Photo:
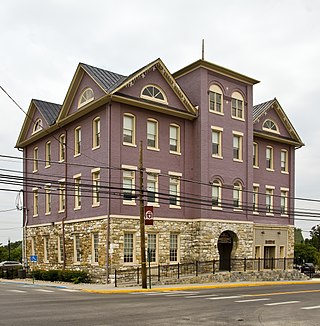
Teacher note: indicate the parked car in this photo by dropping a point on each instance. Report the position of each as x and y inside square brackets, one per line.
[308, 268]
[10, 263]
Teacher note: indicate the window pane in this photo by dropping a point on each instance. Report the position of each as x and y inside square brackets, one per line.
[128, 248]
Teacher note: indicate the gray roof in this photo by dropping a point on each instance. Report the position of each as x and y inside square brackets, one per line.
[50, 111]
[106, 79]
[260, 108]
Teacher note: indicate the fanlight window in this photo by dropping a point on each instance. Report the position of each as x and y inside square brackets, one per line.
[269, 125]
[86, 97]
[153, 93]
[37, 126]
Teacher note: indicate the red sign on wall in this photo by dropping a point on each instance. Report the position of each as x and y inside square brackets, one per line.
[148, 215]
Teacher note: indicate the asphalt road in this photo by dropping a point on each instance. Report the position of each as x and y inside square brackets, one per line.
[268, 305]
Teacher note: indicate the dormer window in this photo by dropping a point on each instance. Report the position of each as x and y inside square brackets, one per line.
[37, 126]
[269, 125]
[86, 97]
[153, 93]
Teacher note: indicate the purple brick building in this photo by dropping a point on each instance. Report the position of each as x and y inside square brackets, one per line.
[218, 171]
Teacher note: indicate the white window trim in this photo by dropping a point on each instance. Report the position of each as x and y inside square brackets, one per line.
[178, 151]
[38, 122]
[219, 207]
[75, 260]
[35, 190]
[80, 105]
[156, 148]
[131, 168]
[45, 249]
[134, 258]
[272, 158]
[157, 248]
[272, 188]
[48, 199]
[77, 176]
[94, 133]
[62, 146]
[150, 98]
[177, 175]
[95, 203]
[93, 255]
[256, 146]
[47, 153]
[35, 159]
[270, 130]
[240, 208]
[240, 135]
[133, 117]
[220, 131]
[287, 161]
[60, 246]
[77, 133]
[178, 248]
[237, 96]
[256, 185]
[216, 89]
[156, 173]
[284, 189]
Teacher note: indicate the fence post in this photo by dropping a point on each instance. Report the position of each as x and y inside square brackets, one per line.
[138, 275]
[115, 278]
[213, 266]
[259, 264]
[245, 264]
[178, 270]
[158, 273]
[284, 263]
[272, 262]
[196, 268]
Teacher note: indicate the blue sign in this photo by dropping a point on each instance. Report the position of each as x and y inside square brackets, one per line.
[34, 258]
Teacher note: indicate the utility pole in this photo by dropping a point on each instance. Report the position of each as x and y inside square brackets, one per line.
[142, 229]
[9, 249]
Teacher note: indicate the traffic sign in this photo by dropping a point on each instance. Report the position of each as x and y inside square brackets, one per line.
[34, 258]
[148, 215]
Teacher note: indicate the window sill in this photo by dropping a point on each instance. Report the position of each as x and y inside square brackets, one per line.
[61, 161]
[216, 112]
[153, 204]
[129, 203]
[175, 206]
[238, 210]
[284, 215]
[96, 205]
[284, 172]
[153, 149]
[48, 213]
[129, 144]
[37, 215]
[217, 208]
[77, 263]
[77, 208]
[61, 211]
[255, 213]
[256, 167]
[237, 118]
[34, 171]
[95, 147]
[47, 166]
[217, 156]
[76, 155]
[175, 153]
[94, 264]
[237, 160]
[270, 170]
[269, 214]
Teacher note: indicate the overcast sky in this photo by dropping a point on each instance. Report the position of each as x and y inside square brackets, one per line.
[274, 41]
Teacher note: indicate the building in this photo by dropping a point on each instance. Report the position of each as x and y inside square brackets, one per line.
[218, 171]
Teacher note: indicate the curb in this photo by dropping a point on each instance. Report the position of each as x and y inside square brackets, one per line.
[200, 287]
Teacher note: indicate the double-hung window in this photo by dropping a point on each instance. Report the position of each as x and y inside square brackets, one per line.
[255, 155]
[174, 139]
[77, 141]
[35, 159]
[237, 146]
[128, 248]
[174, 189]
[216, 139]
[35, 202]
[95, 247]
[46, 249]
[215, 99]
[95, 187]
[237, 106]
[62, 195]
[174, 247]
[77, 248]
[152, 134]
[128, 184]
[269, 199]
[269, 158]
[152, 186]
[77, 191]
[255, 199]
[284, 161]
[284, 201]
[237, 195]
[216, 194]
[48, 154]
[96, 133]
[62, 147]
[129, 129]
[152, 247]
[48, 199]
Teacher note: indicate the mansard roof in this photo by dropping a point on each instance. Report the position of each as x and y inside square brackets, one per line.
[49, 111]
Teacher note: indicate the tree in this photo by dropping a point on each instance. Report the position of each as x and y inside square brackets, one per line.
[305, 253]
[315, 236]
[298, 238]
[15, 251]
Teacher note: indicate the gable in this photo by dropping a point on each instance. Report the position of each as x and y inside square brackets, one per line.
[39, 111]
[282, 129]
[156, 74]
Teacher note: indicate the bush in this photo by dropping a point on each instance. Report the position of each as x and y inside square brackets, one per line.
[61, 275]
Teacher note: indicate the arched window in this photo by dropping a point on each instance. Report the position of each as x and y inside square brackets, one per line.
[216, 194]
[237, 106]
[237, 195]
[37, 126]
[215, 99]
[271, 126]
[153, 93]
[86, 97]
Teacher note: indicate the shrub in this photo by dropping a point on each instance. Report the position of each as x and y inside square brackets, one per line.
[62, 275]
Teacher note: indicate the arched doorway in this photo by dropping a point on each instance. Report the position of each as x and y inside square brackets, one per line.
[225, 246]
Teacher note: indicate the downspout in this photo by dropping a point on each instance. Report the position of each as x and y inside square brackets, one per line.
[65, 201]
[109, 195]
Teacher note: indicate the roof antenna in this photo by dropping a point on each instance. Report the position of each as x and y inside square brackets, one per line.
[202, 49]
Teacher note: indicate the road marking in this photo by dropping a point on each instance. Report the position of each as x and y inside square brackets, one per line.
[157, 293]
[43, 290]
[253, 300]
[280, 303]
[201, 296]
[222, 298]
[281, 293]
[69, 290]
[309, 308]
[17, 291]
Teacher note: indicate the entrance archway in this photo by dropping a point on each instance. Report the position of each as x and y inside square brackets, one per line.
[225, 245]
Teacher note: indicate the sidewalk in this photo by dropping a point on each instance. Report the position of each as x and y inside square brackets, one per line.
[110, 288]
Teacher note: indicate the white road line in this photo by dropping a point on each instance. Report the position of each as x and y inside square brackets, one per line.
[280, 303]
[222, 298]
[143, 293]
[17, 291]
[201, 296]
[43, 290]
[253, 300]
[69, 290]
[309, 308]
[157, 293]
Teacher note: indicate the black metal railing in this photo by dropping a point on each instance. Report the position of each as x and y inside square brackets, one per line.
[163, 272]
